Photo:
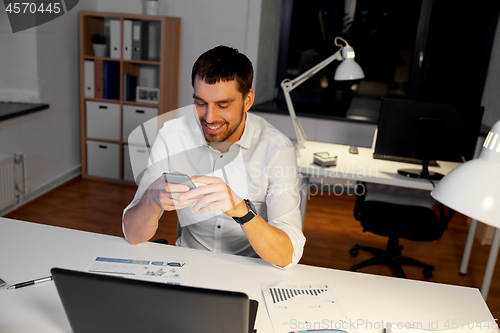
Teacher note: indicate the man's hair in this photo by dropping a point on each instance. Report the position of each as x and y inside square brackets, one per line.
[223, 63]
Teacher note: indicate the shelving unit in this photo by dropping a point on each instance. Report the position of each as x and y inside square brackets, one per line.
[104, 143]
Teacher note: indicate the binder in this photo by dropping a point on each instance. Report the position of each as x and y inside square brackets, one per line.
[88, 74]
[136, 40]
[154, 41]
[111, 80]
[140, 40]
[115, 40]
[127, 39]
[144, 40]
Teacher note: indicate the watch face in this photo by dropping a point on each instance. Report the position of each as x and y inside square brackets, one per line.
[250, 205]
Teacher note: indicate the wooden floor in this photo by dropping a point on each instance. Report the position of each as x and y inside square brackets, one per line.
[330, 229]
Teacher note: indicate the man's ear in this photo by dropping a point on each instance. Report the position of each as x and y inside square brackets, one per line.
[249, 99]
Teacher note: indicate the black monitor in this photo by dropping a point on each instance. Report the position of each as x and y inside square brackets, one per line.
[420, 132]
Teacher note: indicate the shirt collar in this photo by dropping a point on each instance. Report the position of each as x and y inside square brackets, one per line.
[251, 130]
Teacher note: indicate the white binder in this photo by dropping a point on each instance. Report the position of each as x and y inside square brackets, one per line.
[115, 42]
[127, 39]
[88, 78]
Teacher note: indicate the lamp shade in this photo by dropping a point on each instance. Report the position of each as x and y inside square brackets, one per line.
[348, 69]
[473, 188]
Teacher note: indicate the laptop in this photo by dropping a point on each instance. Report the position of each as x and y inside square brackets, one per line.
[101, 303]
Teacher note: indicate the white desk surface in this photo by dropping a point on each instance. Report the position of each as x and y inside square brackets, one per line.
[30, 250]
[362, 166]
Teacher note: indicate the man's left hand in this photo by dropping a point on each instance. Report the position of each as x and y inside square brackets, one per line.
[217, 195]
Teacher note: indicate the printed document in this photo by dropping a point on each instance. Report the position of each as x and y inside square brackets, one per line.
[167, 270]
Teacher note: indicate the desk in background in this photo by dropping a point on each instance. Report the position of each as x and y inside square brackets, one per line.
[30, 250]
[358, 167]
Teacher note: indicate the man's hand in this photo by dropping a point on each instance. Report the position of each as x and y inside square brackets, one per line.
[166, 195]
[215, 195]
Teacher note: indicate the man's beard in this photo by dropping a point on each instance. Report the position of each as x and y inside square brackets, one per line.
[222, 136]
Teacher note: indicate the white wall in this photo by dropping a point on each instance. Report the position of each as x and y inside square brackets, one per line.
[17, 51]
[50, 139]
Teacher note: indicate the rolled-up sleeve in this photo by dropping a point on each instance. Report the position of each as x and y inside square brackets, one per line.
[283, 200]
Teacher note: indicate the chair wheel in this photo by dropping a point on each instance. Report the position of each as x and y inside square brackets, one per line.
[427, 273]
[354, 252]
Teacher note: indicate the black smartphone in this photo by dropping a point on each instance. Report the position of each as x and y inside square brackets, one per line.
[176, 178]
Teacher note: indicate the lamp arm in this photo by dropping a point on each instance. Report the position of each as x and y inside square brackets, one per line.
[297, 127]
[292, 84]
[288, 85]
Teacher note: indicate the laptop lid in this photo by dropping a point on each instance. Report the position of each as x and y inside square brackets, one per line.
[100, 303]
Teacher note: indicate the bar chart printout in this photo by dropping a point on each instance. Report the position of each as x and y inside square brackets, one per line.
[304, 306]
[284, 294]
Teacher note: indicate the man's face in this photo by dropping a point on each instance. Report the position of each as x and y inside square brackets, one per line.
[221, 109]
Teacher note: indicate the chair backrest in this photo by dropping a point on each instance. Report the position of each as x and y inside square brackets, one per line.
[409, 217]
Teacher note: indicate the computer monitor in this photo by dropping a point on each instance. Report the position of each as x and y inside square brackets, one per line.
[420, 132]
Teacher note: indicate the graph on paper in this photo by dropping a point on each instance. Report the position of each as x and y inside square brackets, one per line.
[284, 294]
[302, 302]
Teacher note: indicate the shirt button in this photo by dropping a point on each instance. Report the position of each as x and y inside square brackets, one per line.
[220, 156]
[218, 227]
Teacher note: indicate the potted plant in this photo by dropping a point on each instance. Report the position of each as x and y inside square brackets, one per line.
[99, 44]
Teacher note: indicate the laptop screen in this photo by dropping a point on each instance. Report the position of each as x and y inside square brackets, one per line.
[101, 303]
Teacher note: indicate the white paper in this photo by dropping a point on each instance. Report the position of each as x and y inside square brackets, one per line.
[166, 270]
[296, 306]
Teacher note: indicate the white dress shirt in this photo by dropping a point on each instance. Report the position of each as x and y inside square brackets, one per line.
[261, 167]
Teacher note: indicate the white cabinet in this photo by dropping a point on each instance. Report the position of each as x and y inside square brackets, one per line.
[135, 116]
[103, 159]
[103, 120]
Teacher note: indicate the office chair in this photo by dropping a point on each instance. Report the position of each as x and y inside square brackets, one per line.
[396, 216]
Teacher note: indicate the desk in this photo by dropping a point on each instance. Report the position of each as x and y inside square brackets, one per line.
[359, 167]
[30, 250]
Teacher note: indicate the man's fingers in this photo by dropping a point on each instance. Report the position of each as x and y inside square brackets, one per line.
[171, 187]
[169, 204]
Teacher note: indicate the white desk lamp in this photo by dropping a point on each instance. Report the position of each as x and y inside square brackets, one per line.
[473, 189]
[347, 70]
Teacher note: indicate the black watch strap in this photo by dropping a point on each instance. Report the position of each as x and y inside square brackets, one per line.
[250, 215]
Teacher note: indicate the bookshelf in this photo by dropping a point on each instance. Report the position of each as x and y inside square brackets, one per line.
[142, 51]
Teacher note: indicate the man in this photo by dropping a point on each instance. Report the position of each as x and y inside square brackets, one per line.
[232, 156]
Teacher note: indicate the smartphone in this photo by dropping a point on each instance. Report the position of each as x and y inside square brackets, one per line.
[176, 178]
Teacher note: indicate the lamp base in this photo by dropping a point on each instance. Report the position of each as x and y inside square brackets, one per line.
[417, 173]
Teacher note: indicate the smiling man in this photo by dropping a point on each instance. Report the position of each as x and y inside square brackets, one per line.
[247, 199]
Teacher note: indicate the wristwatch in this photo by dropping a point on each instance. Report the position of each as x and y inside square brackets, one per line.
[252, 212]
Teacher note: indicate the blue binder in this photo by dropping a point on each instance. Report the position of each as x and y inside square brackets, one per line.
[111, 80]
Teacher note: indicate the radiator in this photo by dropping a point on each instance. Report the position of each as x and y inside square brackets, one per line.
[7, 181]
